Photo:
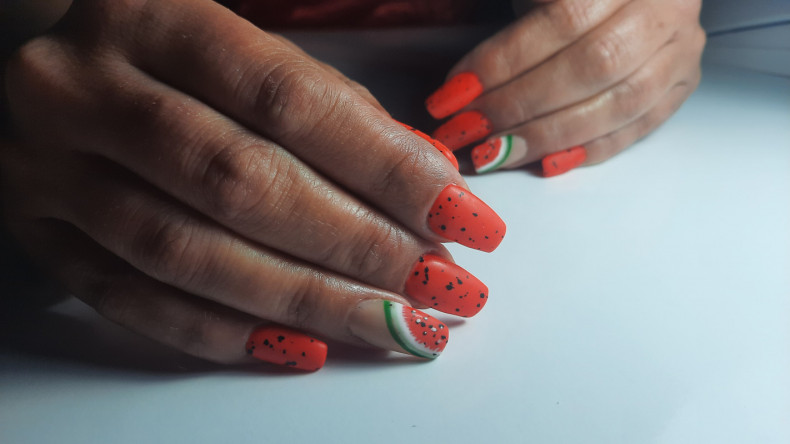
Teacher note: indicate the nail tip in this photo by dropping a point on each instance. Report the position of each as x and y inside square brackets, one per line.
[454, 94]
[474, 224]
[272, 344]
[446, 287]
[463, 129]
[561, 162]
[393, 326]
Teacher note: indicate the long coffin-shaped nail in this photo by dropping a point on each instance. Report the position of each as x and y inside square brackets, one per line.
[563, 161]
[459, 216]
[436, 144]
[394, 326]
[287, 347]
[455, 94]
[499, 152]
[463, 129]
[446, 287]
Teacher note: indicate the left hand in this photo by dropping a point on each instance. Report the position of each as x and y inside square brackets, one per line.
[596, 75]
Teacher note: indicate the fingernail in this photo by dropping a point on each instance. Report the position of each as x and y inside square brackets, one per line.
[499, 152]
[459, 216]
[446, 287]
[436, 144]
[396, 327]
[563, 161]
[287, 347]
[455, 94]
[463, 129]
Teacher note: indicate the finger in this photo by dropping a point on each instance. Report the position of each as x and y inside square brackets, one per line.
[518, 48]
[436, 144]
[359, 89]
[597, 61]
[195, 326]
[676, 62]
[604, 147]
[252, 78]
[200, 258]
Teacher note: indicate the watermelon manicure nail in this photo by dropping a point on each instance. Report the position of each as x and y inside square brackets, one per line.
[436, 144]
[394, 326]
[499, 152]
[563, 161]
[287, 347]
[455, 94]
[459, 216]
[463, 129]
[446, 287]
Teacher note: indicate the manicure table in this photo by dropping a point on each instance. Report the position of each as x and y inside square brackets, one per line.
[646, 299]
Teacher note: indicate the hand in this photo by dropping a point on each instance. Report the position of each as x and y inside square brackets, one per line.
[210, 186]
[595, 75]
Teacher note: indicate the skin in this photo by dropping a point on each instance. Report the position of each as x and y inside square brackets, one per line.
[191, 176]
[597, 73]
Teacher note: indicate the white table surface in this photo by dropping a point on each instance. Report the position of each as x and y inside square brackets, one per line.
[643, 300]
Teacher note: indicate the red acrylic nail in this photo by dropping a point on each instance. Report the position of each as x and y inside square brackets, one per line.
[463, 129]
[459, 216]
[446, 287]
[455, 94]
[436, 144]
[563, 161]
[288, 347]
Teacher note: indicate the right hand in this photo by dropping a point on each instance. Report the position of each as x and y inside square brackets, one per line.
[196, 179]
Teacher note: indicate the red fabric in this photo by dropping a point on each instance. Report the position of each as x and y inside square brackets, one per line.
[352, 13]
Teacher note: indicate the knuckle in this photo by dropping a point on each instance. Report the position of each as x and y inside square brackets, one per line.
[229, 181]
[399, 173]
[33, 68]
[368, 253]
[633, 94]
[493, 60]
[303, 303]
[607, 56]
[372, 257]
[164, 245]
[519, 109]
[700, 40]
[546, 135]
[108, 295]
[570, 18]
[196, 337]
[289, 94]
[153, 111]
[688, 8]
[649, 121]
